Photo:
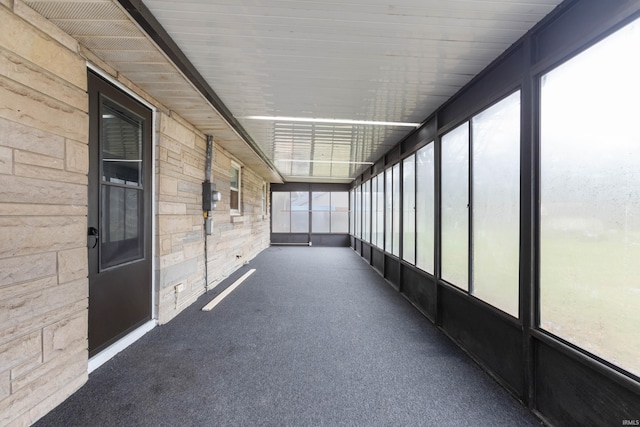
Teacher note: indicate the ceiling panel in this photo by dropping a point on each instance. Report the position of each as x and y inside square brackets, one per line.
[316, 59]
[104, 28]
[356, 60]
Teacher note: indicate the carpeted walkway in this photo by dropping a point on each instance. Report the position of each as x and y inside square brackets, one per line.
[314, 337]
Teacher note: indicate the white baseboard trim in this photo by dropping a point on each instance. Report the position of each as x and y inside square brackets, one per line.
[105, 355]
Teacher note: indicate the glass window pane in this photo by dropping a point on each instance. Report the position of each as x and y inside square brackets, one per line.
[233, 199]
[374, 207]
[590, 199]
[280, 212]
[496, 204]
[235, 178]
[358, 213]
[366, 209]
[395, 250]
[409, 209]
[339, 212]
[122, 215]
[455, 211]
[380, 212]
[121, 146]
[388, 205]
[425, 208]
[299, 211]
[351, 203]
[321, 212]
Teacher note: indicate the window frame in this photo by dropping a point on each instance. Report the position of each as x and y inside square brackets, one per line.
[238, 167]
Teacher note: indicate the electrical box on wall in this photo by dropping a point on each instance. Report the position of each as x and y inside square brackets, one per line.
[209, 196]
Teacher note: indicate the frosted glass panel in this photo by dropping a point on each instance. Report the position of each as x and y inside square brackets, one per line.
[352, 202]
[299, 211]
[590, 199]
[366, 209]
[388, 206]
[280, 212]
[339, 212]
[496, 203]
[321, 212]
[380, 211]
[425, 208]
[409, 209]
[374, 213]
[358, 211]
[455, 211]
[395, 249]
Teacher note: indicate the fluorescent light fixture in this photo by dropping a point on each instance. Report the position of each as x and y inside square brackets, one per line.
[325, 161]
[312, 177]
[334, 121]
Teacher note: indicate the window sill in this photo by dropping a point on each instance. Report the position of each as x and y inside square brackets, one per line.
[237, 218]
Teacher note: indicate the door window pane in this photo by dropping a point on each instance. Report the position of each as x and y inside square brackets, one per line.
[280, 212]
[321, 212]
[425, 208]
[122, 214]
[121, 146]
[409, 209]
[339, 212]
[299, 211]
[590, 199]
[455, 209]
[121, 238]
[496, 204]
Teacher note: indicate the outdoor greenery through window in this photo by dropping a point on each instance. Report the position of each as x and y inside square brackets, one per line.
[590, 199]
[329, 212]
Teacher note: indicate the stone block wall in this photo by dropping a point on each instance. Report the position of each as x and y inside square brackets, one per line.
[43, 214]
[43, 210]
[180, 231]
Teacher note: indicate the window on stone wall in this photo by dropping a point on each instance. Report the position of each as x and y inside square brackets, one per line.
[235, 185]
[264, 198]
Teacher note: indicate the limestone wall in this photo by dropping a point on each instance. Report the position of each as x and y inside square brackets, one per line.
[180, 231]
[43, 214]
[43, 210]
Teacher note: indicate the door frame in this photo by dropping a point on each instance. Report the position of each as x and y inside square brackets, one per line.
[106, 354]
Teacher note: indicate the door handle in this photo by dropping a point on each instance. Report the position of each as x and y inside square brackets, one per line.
[93, 232]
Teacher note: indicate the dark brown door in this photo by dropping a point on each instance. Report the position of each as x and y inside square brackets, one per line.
[119, 218]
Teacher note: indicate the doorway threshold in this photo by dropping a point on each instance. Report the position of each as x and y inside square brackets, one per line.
[105, 355]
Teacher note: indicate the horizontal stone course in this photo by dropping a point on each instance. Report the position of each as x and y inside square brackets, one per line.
[17, 351]
[26, 235]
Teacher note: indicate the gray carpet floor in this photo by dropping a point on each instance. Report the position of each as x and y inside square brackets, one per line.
[314, 337]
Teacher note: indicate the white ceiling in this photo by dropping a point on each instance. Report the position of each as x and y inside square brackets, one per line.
[369, 60]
